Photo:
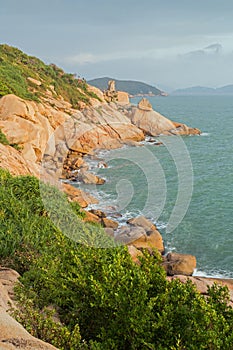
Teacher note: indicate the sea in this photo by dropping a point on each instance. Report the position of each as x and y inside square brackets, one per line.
[184, 185]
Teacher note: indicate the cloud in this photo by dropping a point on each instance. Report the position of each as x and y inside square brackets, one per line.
[213, 49]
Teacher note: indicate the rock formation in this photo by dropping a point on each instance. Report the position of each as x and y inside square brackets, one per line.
[155, 124]
[179, 264]
[141, 233]
[112, 95]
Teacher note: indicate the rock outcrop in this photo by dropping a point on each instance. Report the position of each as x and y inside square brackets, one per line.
[141, 233]
[13, 161]
[89, 178]
[179, 264]
[144, 105]
[112, 95]
[122, 98]
[52, 128]
[154, 123]
[76, 195]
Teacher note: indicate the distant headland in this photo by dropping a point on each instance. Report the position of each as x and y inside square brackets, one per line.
[134, 88]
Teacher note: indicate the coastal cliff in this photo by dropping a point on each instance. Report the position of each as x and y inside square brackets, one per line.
[47, 129]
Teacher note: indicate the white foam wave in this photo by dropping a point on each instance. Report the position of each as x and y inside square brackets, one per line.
[205, 134]
[214, 274]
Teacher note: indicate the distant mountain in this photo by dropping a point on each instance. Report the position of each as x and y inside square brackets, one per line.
[130, 86]
[202, 90]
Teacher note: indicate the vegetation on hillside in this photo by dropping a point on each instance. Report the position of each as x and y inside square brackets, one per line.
[16, 67]
[79, 297]
[130, 86]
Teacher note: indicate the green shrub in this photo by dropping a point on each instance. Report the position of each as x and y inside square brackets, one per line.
[99, 298]
[16, 67]
[45, 325]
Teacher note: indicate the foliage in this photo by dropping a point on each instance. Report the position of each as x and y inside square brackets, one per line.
[16, 67]
[45, 325]
[77, 296]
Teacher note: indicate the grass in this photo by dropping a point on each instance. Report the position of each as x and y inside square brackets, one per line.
[16, 67]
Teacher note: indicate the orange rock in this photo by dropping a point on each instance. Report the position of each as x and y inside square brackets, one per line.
[154, 123]
[154, 240]
[122, 98]
[142, 222]
[34, 81]
[145, 105]
[135, 253]
[89, 217]
[180, 264]
[109, 223]
[89, 178]
[15, 163]
[77, 195]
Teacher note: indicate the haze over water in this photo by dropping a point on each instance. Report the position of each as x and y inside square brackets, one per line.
[207, 229]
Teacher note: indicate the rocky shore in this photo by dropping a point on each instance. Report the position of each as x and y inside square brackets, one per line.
[52, 140]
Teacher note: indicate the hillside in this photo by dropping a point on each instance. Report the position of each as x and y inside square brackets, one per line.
[72, 295]
[202, 90]
[29, 78]
[130, 86]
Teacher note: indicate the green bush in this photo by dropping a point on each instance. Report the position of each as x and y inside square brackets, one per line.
[16, 67]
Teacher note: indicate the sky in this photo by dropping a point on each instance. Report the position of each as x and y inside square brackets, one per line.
[170, 44]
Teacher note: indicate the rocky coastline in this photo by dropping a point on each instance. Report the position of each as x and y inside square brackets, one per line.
[53, 139]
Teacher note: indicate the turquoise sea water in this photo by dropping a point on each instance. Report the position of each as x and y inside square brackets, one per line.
[207, 228]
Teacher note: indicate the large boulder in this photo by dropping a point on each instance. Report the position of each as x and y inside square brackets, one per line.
[122, 98]
[151, 122]
[23, 124]
[128, 235]
[154, 123]
[142, 221]
[137, 236]
[154, 240]
[180, 264]
[96, 91]
[110, 223]
[145, 105]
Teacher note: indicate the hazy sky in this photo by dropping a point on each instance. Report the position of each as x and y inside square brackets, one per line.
[174, 43]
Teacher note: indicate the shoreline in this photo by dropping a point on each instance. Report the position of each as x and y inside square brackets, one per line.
[99, 156]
